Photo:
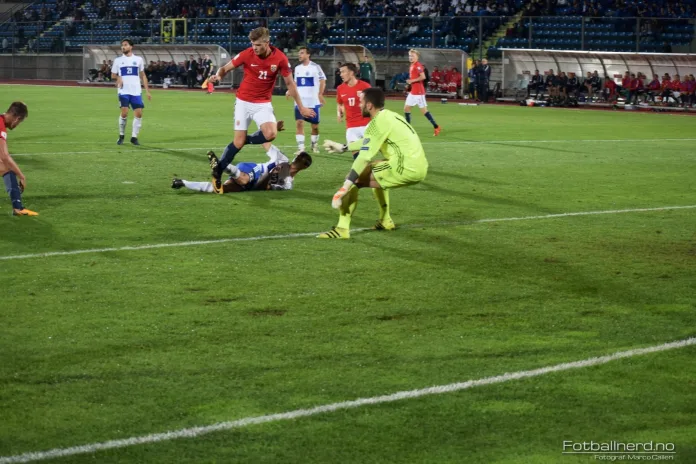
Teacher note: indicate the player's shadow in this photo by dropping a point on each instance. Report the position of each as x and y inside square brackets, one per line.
[478, 198]
[511, 263]
[57, 199]
[35, 162]
[194, 154]
[287, 201]
[470, 179]
[28, 230]
[525, 146]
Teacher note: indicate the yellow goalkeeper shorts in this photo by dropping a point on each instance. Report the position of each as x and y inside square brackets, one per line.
[389, 177]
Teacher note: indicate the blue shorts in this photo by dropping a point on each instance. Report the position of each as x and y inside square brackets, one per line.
[314, 120]
[135, 101]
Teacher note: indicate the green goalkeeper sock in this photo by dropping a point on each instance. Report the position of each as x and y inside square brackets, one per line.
[382, 197]
[350, 202]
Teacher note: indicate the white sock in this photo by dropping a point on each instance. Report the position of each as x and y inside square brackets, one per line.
[315, 139]
[232, 169]
[199, 186]
[122, 125]
[300, 141]
[276, 156]
[137, 122]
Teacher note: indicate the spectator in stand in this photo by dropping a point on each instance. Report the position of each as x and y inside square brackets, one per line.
[536, 83]
[435, 79]
[653, 88]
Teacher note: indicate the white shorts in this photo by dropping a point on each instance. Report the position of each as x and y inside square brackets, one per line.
[355, 133]
[245, 112]
[416, 100]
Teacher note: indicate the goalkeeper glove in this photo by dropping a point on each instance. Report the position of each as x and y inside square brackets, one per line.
[334, 147]
[338, 196]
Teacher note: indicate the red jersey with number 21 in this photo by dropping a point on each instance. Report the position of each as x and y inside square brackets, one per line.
[349, 97]
[417, 88]
[260, 74]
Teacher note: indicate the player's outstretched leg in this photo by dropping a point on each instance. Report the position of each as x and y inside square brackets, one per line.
[342, 229]
[15, 192]
[206, 187]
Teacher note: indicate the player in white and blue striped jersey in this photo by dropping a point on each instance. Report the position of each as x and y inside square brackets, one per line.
[311, 83]
[127, 70]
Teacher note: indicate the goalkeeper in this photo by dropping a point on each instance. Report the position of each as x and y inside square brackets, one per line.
[404, 163]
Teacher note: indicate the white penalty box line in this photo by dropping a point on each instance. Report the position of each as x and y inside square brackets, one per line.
[344, 405]
[310, 234]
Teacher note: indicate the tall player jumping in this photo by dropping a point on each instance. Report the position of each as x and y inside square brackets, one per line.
[311, 83]
[127, 71]
[348, 104]
[262, 62]
[416, 96]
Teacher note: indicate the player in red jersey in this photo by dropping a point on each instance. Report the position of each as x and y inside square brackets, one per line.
[435, 80]
[416, 96]
[348, 105]
[12, 176]
[262, 64]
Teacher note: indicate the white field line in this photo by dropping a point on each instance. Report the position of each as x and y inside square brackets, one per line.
[444, 142]
[299, 413]
[310, 234]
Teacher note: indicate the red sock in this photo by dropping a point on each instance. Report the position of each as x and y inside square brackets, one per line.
[210, 87]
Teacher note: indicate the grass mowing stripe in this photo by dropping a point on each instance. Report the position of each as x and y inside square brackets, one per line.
[309, 234]
[298, 413]
[444, 142]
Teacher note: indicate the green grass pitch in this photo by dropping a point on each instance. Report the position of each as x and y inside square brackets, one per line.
[123, 343]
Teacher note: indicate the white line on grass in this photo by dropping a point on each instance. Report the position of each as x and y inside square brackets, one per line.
[444, 142]
[310, 234]
[299, 413]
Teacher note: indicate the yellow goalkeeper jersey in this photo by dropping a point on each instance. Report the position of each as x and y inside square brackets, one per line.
[389, 134]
